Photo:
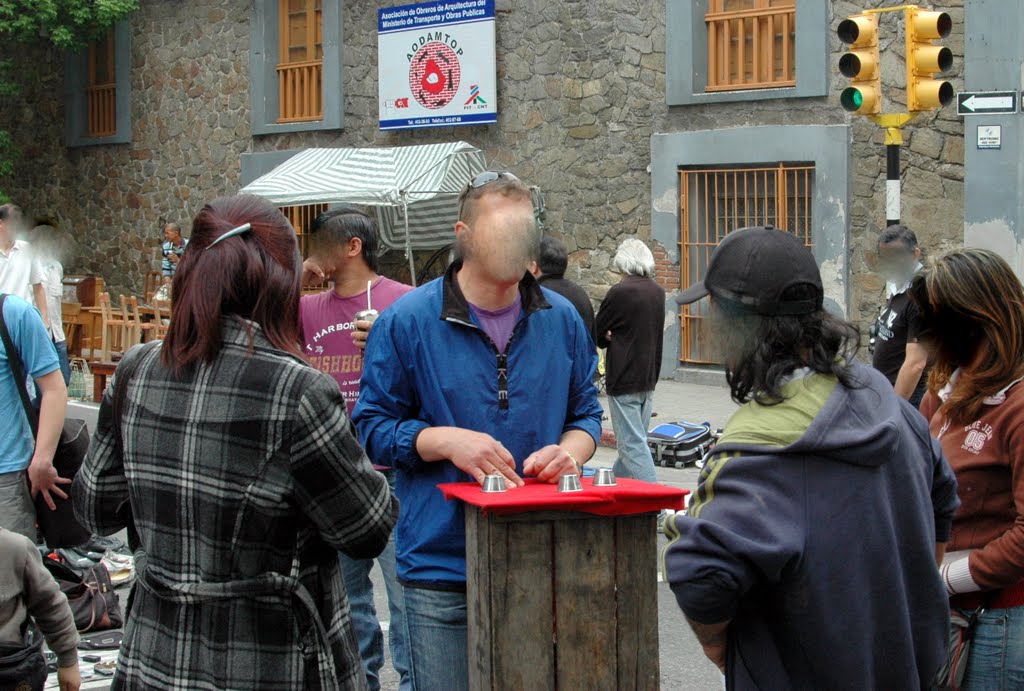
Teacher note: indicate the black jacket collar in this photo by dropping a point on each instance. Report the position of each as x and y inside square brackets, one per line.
[454, 305]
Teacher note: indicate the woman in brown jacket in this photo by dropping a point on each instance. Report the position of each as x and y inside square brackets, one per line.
[972, 306]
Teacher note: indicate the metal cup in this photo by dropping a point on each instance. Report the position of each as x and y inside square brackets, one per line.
[367, 316]
[605, 478]
[495, 483]
[569, 483]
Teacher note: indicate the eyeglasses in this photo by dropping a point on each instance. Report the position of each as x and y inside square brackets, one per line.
[489, 176]
[482, 180]
[244, 228]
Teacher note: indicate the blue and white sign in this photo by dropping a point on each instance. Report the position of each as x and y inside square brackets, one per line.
[437, 64]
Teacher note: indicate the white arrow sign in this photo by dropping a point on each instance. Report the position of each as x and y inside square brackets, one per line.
[973, 103]
[976, 103]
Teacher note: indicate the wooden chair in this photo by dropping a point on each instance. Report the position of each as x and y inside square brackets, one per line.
[144, 329]
[161, 317]
[152, 283]
[132, 334]
[113, 330]
[69, 315]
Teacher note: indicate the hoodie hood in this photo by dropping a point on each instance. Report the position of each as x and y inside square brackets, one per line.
[820, 417]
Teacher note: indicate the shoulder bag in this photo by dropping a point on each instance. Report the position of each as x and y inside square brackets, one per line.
[59, 527]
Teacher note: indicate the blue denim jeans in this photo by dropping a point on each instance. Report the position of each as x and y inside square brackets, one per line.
[356, 574]
[997, 652]
[365, 624]
[631, 416]
[435, 624]
[62, 358]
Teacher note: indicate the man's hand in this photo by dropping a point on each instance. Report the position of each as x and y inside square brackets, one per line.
[361, 333]
[607, 335]
[42, 477]
[550, 463]
[475, 453]
[69, 678]
[713, 639]
[173, 257]
[312, 273]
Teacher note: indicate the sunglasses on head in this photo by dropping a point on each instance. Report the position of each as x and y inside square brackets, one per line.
[482, 180]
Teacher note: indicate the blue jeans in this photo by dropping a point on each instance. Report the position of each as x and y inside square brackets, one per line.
[62, 358]
[631, 416]
[997, 652]
[356, 574]
[435, 625]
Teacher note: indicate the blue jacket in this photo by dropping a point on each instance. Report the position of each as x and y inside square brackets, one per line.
[428, 364]
[813, 530]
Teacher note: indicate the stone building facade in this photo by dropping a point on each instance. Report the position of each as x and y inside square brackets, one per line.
[583, 98]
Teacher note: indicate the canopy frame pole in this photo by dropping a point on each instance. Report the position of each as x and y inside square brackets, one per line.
[408, 238]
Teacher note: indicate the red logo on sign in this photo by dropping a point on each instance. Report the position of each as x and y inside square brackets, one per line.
[434, 75]
[401, 103]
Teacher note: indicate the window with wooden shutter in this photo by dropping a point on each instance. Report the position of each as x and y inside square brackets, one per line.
[300, 71]
[751, 44]
[101, 91]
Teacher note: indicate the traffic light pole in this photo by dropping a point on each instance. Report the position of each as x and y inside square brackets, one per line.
[893, 141]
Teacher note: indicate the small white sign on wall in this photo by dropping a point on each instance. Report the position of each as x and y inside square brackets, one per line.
[990, 136]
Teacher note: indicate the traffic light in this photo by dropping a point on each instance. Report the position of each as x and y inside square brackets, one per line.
[860, 64]
[926, 60]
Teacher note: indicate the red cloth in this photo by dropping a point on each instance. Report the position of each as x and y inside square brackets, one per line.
[628, 497]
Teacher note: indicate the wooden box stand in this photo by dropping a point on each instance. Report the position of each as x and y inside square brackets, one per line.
[562, 600]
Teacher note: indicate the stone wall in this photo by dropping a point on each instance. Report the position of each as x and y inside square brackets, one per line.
[582, 89]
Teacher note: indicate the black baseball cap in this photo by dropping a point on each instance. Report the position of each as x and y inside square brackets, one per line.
[753, 268]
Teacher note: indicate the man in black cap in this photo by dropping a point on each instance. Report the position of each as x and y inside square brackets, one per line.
[807, 558]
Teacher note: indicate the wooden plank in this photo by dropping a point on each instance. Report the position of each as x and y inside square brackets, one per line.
[636, 574]
[478, 600]
[521, 595]
[585, 604]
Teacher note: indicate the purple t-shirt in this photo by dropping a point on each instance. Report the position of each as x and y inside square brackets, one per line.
[499, 324]
[327, 324]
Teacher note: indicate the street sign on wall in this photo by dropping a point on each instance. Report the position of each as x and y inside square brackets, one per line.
[986, 102]
[437, 64]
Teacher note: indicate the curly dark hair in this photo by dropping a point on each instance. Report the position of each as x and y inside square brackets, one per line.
[761, 351]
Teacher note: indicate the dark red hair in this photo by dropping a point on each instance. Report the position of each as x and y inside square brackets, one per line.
[254, 276]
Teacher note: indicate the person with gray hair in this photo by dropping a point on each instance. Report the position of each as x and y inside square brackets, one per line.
[630, 325]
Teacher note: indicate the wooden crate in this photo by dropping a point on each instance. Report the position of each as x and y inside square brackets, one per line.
[562, 600]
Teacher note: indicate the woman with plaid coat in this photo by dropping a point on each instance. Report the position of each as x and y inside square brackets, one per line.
[235, 469]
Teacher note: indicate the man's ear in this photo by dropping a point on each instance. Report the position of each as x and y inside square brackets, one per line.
[354, 248]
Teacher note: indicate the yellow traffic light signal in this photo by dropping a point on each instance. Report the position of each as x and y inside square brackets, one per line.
[860, 63]
[925, 60]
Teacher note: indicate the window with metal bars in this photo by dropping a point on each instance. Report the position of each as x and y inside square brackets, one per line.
[300, 70]
[716, 201]
[301, 218]
[101, 89]
[751, 44]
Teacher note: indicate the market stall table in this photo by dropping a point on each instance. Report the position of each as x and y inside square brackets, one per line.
[562, 587]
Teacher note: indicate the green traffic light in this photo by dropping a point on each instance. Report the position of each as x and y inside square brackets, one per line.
[851, 99]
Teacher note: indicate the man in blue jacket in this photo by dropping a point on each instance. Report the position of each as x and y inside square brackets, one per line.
[808, 558]
[478, 372]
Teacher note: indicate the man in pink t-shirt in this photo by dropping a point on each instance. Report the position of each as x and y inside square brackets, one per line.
[344, 250]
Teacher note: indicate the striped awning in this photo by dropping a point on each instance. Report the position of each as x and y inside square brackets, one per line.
[426, 179]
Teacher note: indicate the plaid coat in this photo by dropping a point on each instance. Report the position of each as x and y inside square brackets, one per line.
[242, 480]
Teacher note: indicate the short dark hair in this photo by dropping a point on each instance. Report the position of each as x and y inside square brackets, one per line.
[761, 351]
[553, 258]
[9, 212]
[337, 226]
[255, 276]
[899, 233]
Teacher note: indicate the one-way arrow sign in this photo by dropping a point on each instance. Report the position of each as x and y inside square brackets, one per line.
[986, 102]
